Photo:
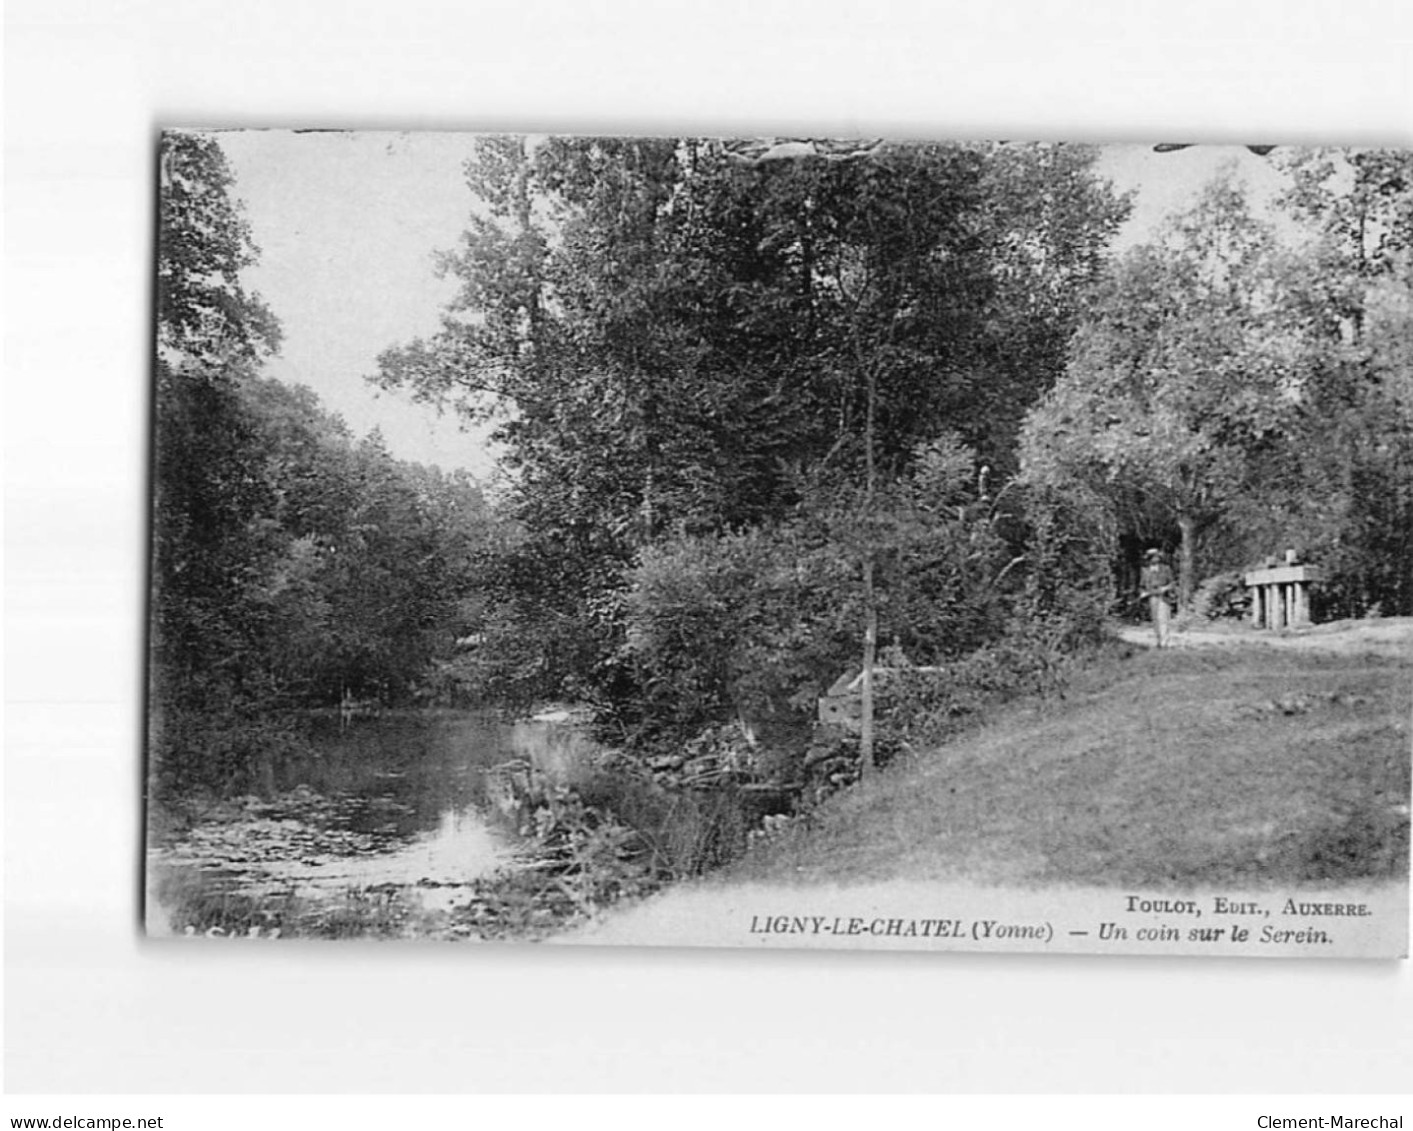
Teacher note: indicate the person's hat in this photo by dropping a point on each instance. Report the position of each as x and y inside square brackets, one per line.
[1154, 552]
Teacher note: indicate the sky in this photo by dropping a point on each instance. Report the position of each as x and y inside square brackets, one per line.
[349, 223]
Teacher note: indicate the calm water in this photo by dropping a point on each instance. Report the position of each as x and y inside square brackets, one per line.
[400, 799]
[430, 763]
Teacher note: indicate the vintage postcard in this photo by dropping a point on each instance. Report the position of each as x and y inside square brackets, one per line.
[782, 542]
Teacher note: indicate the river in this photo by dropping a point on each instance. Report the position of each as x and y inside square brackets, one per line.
[383, 822]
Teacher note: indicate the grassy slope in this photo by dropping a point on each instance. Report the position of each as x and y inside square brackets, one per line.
[1176, 768]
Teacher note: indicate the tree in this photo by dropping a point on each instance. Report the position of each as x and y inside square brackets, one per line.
[1352, 287]
[291, 563]
[1184, 370]
[929, 267]
[743, 624]
[210, 333]
[683, 339]
[1049, 223]
[206, 319]
[375, 557]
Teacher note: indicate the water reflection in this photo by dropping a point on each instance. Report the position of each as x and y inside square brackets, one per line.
[398, 800]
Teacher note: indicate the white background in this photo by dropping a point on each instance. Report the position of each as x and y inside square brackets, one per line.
[91, 1008]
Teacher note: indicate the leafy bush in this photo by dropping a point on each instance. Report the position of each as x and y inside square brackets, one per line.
[1036, 655]
[759, 624]
[1220, 597]
[688, 615]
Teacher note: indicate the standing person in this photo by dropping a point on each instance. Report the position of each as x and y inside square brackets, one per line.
[1157, 585]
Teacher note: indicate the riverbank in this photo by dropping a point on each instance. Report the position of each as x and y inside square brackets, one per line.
[1235, 759]
[305, 864]
[1254, 767]
[404, 825]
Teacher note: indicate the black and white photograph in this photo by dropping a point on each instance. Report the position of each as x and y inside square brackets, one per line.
[781, 542]
[716, 565]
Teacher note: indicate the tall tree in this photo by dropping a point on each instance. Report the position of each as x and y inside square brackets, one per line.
[210, 334]
[1049, 224]
[289, 562]
[683, 337]
[1183, 370]
[207, 321]
[1352, 287]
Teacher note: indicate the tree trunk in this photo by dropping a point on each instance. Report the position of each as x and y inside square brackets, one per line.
[870, 648]
[866, 764]
[1186, 561]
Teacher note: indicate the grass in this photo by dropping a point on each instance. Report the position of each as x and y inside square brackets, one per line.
[1246, 767]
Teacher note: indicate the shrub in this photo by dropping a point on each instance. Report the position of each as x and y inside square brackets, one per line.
[1037, 655]
[687, 615]
[759, 624]
[1221, 597]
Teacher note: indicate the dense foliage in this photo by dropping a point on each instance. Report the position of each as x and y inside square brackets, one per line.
[880, 424]
[293, 566]
[722, 373]
[761, 403]
[1233, 395]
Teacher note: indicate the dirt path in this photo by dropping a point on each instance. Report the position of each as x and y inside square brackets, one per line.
[1392, 636]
